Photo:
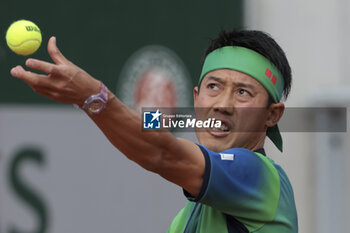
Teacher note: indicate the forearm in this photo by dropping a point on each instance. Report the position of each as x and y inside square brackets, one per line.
[123, 128]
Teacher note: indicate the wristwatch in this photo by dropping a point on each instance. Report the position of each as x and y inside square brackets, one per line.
[96, 103]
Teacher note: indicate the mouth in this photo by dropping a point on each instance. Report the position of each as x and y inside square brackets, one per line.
[221, 131]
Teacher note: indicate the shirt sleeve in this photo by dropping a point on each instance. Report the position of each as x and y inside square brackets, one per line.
[240, 183]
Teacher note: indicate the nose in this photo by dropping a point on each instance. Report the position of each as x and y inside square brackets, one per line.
[224, 104]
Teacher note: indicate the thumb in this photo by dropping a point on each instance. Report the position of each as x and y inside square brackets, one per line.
[55, 53]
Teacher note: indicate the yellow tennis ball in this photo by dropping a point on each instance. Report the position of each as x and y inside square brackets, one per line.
[23, 37]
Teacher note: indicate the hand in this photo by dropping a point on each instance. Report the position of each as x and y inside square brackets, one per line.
[63, 81]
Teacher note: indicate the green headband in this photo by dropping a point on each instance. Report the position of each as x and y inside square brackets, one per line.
[253, 64]
[249, 62]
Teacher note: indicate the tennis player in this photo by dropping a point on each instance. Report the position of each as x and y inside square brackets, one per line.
[230, 183]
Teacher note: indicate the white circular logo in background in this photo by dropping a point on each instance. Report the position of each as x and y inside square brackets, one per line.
[154, 76]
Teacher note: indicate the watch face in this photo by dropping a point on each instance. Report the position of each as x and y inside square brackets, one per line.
[96, 103]
[96, 106]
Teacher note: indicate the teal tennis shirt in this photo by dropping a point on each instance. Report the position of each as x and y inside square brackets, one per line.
[242, 191]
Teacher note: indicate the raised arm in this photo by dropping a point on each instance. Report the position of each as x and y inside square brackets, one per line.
[177, 160]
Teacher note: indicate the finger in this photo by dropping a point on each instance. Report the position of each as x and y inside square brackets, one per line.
[54, 95]
[55, 53]
[30, 78]
[17, 72]
[47, 93]
[43, 66]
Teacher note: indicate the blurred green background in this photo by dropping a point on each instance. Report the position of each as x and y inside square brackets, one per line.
[99, 36]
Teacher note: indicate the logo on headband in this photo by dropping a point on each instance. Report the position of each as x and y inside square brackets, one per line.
[268, 74]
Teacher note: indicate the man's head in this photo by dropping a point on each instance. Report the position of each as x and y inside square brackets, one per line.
[244, 101]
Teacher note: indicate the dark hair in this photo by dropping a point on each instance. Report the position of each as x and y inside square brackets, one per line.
[259, 42]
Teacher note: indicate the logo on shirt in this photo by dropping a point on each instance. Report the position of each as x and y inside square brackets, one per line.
[227, 156]
[151, 119]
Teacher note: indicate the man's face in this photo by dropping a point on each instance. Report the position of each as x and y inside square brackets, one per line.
[240, 102]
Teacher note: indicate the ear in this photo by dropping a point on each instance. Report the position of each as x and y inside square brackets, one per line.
[275, 113]
[195, 95]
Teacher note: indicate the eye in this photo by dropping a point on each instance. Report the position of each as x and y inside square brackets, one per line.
[243, 92]
[213, 86]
